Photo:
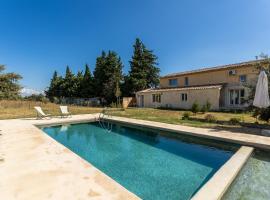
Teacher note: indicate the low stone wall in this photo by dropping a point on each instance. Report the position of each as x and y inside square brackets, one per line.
[129, 102]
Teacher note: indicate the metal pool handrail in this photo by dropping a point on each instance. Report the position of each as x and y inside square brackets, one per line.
[102, 122]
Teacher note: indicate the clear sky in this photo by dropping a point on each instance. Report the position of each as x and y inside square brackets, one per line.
[40, 36]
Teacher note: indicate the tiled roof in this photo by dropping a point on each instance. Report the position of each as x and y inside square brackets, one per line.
[202, 87]
[252, 62]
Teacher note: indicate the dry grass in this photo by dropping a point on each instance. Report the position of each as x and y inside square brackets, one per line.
[23, 109]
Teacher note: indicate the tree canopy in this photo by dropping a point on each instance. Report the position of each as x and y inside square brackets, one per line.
[144, 72]
[108, 81]
[9, 86]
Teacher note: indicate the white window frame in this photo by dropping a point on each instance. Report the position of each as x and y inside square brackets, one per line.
[156, 98]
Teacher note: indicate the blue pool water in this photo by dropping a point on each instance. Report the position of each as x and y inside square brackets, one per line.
[146, 162]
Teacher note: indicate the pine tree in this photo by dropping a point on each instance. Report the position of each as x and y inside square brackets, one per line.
[100, 74]
[87, 88]
[108, 73]
[78, 84]
[69, 87]
[54, 89]
[143, 70]
[9, 86]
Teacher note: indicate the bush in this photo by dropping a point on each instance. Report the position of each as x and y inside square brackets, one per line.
[208, 106]
[195, 107]
[186, 116]
[203, 109]
[235, 120]
[264, 114]
[210, 118]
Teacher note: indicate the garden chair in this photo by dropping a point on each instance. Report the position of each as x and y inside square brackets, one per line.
[41, 114]
[64, 111]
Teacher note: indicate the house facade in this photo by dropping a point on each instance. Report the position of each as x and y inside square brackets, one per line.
[225, 87]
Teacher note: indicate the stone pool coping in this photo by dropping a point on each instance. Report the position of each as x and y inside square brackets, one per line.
[35, 166]
[261, 142]
[216, 186]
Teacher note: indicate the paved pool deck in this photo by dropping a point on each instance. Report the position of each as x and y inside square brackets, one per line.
[35, 166]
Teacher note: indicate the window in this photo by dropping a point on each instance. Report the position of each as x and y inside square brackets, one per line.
[173, 82]
[184, 96]
[156, 98]
[186, 81]
[243, 78]
[232, 72]
[237, 97]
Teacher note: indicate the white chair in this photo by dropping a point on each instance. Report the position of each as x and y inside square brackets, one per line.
[41, 114]
[64, 111]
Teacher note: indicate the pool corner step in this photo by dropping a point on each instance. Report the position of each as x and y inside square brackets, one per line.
[216, 187]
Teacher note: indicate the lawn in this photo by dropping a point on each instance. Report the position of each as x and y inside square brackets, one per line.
[23, 109]
[175, 117]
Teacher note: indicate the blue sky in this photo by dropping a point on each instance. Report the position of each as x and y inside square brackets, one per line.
[40, 36]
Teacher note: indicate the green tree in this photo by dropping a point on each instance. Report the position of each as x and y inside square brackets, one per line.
[144, 72]
[100, 74]
[54, 89]
[68, 86]
[107, 75]
[111, 90]
[87, 87]
[9, 86]
[78, 84]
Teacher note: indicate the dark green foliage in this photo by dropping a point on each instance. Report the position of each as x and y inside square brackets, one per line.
[9, 86]
[54, 89]
[203, 109]
[210, 118]
[86, 87]
[143, 70]
[110, 89]
[37, 97]
[186, 116]
[235, 120]
[195, 107]
[108, 82]
[208, 106]
[69, 86]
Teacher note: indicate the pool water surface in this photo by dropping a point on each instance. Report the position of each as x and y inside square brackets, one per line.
[146, 162]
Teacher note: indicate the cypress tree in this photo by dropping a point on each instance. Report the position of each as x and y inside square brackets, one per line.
[143, 72]
[68, 87]
[54, 88]
[87, 89]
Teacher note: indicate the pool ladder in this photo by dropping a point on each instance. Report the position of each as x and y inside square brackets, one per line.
[105, 124]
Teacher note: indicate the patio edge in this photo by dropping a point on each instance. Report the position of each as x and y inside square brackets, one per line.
[216, 187]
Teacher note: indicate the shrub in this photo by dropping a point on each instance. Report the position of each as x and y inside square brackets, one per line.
[264, 114]
[208, 106]
[195, 107]
[203, 109]
[210, 118]
[186, 116]
[235, 120]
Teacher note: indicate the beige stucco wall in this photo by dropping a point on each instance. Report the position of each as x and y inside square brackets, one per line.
[214, 77]
[173, 98]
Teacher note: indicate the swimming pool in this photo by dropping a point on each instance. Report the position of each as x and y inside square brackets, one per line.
[150, 163]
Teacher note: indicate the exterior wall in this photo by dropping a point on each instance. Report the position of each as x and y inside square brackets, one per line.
[172, 99]
[214, 77]
[128, 101]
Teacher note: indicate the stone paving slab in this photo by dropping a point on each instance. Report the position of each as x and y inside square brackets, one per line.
[35, 166]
